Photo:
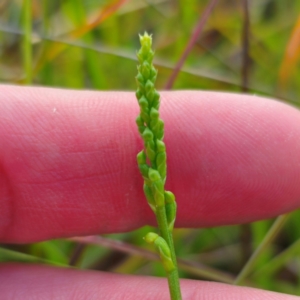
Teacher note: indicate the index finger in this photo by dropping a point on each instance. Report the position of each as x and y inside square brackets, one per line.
[68, 161]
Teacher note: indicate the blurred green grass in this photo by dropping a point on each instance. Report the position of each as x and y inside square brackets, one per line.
[80, 44]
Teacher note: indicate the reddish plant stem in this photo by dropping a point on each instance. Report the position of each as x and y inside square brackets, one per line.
[77, 252]
[193, 39]
[245, 47]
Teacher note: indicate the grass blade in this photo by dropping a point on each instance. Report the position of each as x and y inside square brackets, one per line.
[269, 237]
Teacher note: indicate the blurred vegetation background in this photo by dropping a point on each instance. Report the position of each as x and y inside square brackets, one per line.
[227, 45]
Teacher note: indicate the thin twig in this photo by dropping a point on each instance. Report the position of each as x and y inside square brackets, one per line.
[77, 252]
[245, 45]
[246, 242]
[197, 31]
[27, 45]
[196, 269]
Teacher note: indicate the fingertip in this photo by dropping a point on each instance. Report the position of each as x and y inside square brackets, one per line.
[41, 282]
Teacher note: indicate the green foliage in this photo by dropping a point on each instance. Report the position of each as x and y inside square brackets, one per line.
[91, 61]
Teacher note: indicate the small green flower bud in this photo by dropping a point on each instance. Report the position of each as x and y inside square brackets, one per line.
[150, 96]
[144, 105]
[159, 129]
[155, 99]
[160, 146]
[156, 96]
[161, 163]
[138, 94]
[149, 86]
[149, 144]
[155, 122]
[154, 175]
[157, 186]
[154, 114]
[151, 237]
[162, 249]
[140, 79]
[147, 135]
[142, 164]
[171, 208]
[149, 197]
[145, 69]
[141, 158]
[153, 73]
[140, 123]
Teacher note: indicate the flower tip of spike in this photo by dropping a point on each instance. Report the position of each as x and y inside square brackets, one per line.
[146, 39]
[146, 34]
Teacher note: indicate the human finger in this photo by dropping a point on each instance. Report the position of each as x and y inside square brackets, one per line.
[68, 161]
[40, 282]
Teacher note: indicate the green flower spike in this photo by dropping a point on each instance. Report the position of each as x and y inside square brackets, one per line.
[152, 163]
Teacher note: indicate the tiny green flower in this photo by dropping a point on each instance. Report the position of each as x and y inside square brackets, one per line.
[171, 208]
[163, 250]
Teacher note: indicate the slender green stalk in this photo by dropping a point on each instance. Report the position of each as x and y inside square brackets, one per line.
[152, 164]
[27, 46]
[279, 261]
[269, 237]
[7, 255]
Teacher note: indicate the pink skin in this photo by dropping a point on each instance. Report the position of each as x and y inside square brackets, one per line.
[67, 167]
[37, 282]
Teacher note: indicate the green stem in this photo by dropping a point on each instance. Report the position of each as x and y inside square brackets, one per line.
[174, 287]
[173, 277]
[7, 255]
